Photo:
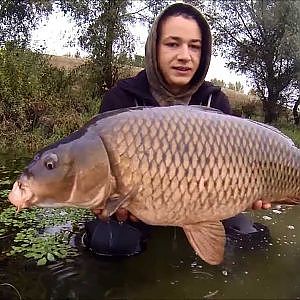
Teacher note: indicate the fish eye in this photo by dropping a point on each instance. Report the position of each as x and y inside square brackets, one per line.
[51, 161]
[50, 165]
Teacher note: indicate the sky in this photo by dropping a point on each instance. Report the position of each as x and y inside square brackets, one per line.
[54, 32]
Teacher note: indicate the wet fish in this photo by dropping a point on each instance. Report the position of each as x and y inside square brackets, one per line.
[178, 166]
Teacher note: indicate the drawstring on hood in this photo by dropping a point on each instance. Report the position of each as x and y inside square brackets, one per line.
[158, 86]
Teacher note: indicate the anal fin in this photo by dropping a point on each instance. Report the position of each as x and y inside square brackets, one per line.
[208, 240]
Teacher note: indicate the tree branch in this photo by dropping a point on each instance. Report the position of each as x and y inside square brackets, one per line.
[242, 20]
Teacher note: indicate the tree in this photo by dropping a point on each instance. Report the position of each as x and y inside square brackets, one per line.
[231, 86]
[218, 82]
[238, 87]
[19, 18]
[104, 32]
[139, 61]
[260, 38]
[297, 81]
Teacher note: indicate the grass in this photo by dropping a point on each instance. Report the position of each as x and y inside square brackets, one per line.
[291, 131]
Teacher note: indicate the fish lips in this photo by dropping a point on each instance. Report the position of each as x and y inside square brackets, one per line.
[20, 196]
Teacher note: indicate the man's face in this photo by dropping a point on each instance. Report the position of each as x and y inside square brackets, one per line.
[179, 51]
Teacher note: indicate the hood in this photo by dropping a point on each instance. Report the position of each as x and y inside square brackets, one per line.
[157, 84]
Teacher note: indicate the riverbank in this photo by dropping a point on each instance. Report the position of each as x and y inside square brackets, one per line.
[45, 98]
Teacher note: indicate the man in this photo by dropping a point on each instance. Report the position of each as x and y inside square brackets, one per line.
[178, 53]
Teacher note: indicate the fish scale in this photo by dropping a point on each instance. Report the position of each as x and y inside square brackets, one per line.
[179, 166]
[233, 139]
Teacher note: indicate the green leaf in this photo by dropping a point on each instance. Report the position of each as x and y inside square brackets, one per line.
[5, 182]
[38, 255]
[29, 255]
[50, 257]
[42, 261]
[56, 253]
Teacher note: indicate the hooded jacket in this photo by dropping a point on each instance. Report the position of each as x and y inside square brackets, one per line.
[135, 91]
[148, 88]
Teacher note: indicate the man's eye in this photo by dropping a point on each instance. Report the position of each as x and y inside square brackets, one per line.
[195, 47]
[172, 45]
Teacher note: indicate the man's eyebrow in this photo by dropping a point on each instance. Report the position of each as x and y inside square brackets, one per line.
[196, 41]
[179, 39]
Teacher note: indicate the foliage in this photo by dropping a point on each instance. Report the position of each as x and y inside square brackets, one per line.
[40, 234]
[260, 39]
[218, 82]
[4, 193]
[19, 18]
[290, 130]
[249, 109]
[237, 86]
[42, 247]
[25, 81]
[34, 238]
[104, 32]
[138, 61]
[39, 103]
[41, 218]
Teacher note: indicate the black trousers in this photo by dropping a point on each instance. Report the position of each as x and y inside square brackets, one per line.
[112, 238]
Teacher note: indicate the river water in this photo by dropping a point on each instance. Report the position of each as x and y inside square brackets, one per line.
[167, 269]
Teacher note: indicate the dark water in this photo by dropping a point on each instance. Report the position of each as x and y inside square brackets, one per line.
[168, 269]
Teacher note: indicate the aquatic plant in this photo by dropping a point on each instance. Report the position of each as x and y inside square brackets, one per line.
[42, 234]
[4, 193]
[4, 183]
[42, 247]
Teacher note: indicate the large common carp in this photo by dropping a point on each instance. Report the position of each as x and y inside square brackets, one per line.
[180, 166]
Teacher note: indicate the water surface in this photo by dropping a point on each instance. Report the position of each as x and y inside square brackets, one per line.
[168, 269]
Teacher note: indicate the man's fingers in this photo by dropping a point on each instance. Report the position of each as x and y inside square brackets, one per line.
[259, 204]
[133, 218]
[97, 211]
[122, 214]
[266, 205]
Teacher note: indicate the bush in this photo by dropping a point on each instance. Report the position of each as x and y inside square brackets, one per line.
[39, 102]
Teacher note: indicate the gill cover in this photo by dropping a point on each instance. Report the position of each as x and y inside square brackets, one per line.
[93, 180]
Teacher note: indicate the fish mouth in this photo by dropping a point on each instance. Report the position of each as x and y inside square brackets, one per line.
[20, 196]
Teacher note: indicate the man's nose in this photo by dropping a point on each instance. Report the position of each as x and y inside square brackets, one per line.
[184, 53]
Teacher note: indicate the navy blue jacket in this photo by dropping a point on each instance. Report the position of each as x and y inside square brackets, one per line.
[135, 91]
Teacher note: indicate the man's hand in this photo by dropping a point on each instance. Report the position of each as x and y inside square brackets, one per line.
[259, 204]
[121, 214]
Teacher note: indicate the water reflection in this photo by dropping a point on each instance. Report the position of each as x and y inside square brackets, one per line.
[168, 269]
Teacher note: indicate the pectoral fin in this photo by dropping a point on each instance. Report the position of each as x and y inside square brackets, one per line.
[116, 201]
[112, 204]
[208, 240]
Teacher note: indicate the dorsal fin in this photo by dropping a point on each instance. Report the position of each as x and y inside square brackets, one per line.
[206, 108]
[115, 112]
